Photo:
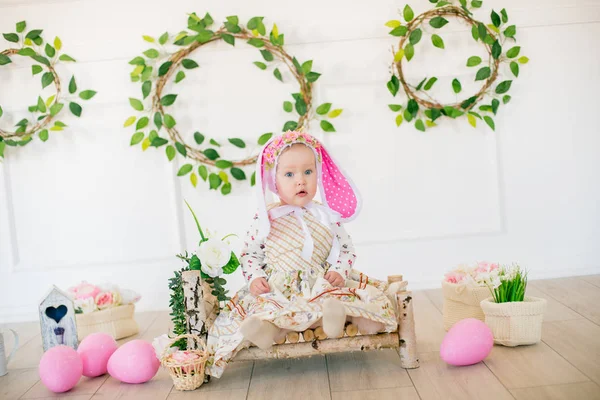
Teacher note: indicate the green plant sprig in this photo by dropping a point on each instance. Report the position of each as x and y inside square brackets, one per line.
[512, 287]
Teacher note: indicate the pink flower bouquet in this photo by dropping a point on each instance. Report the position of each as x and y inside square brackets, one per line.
[482, 274]
[88, 298]
[187, 359]
[464, 288]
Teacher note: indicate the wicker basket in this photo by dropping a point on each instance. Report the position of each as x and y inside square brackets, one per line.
[515, 323]
[461, 302]
[189, 375]
[117, 322]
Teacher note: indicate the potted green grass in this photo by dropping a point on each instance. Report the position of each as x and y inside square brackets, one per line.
[514, 318]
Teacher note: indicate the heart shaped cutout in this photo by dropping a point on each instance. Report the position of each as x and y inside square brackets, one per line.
[56, 313]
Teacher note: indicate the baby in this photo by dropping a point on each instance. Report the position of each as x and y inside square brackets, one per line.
[298, 258]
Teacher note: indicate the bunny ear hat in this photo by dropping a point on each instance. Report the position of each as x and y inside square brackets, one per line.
[338, 193]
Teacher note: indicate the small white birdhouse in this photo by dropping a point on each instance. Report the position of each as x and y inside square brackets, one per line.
[57, 320]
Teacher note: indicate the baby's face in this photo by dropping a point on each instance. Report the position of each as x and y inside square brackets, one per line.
[296, 176]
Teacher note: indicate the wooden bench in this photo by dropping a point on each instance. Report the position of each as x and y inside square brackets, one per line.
[202, 309]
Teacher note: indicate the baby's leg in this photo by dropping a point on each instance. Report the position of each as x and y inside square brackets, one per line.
[259, 332]
[334, 318]
[367, 326]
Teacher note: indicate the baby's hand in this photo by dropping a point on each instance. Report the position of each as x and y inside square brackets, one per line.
[259, 286]
[335, 278]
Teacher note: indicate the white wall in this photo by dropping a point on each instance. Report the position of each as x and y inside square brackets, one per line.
[86, 206]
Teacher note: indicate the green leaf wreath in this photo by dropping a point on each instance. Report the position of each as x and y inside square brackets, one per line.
[155, 125]
[498, 38]
[45, 112]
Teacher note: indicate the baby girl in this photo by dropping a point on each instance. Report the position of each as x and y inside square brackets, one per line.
[298, 258]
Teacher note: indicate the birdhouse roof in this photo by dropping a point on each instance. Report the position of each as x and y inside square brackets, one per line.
[53, 289]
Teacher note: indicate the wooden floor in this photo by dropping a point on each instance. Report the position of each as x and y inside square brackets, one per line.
[566, 365]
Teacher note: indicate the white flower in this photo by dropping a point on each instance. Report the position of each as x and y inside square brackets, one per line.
[160, 343]
[464, 269]
[129, 296]
[86, 305]
[214, 255]
[490, 279]
[510, 273]
[469, 281]
[495, 282]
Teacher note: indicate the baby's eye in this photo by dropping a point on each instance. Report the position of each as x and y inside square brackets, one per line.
[289, 174]
[308, 171]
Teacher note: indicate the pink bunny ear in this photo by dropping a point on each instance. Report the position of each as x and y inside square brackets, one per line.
[338, 191]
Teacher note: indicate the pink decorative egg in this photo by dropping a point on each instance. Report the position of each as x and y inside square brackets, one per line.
[60, 369]
[95, 351]
[468, 342]
[134, 362]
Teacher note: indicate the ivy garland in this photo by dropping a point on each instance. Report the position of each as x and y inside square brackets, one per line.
[158, 66]
[499, 40]
[43, 113]
[177, 304]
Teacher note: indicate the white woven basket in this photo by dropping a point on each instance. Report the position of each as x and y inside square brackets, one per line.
[117, 322]
[461, 302]
[515, 323]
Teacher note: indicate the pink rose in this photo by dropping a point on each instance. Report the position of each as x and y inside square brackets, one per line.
[85, 290]
[185, 356]
[454, 277]
[104, 300]
[291, 135]
[270, 158]
[482, 266]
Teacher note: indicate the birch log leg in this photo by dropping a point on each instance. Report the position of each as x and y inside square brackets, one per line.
[195, 309]
[211, 305]
[406, 331]
[395, 285]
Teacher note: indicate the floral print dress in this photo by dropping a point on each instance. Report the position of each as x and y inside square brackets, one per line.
[298, 287]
